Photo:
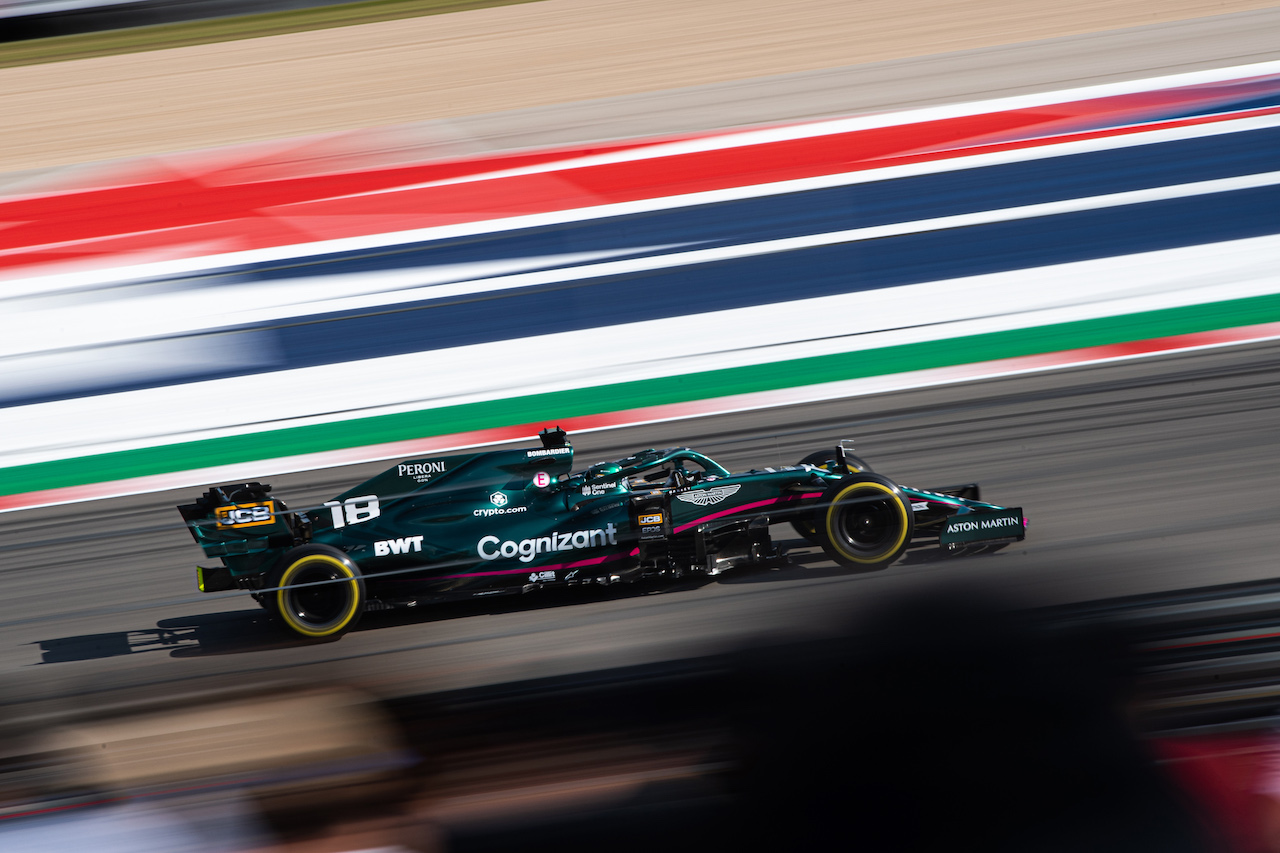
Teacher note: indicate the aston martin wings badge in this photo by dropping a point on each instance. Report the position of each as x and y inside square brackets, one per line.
[707, 497]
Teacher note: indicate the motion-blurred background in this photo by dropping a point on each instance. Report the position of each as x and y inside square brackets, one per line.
[1026, 244]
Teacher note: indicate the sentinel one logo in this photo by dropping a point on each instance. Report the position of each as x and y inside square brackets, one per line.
[986, 524]
[491, 548]
[397, 546]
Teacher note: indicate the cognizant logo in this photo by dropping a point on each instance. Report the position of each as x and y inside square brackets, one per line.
[491, 548]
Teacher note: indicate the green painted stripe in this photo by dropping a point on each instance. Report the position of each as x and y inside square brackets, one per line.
[360, 432]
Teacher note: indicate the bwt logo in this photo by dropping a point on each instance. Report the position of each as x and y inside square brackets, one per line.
[245, 515]
[397, 546]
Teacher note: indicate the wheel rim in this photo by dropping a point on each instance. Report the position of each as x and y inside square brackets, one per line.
[318, 610]
[869, 525]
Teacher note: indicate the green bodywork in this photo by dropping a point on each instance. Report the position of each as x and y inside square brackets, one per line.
[510, 520]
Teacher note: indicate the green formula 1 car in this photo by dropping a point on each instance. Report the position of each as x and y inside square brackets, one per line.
[503, 521]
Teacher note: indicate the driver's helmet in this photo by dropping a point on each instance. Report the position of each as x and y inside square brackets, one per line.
[604, 469]
[679, 478]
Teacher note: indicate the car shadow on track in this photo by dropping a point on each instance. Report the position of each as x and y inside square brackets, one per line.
[249, 630]
[804, 560]
[231, 632]
[546, 599]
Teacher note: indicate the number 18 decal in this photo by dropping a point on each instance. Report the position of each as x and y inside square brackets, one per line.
[355, 510]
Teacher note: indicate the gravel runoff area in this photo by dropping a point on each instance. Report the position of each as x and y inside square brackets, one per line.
[515, 58]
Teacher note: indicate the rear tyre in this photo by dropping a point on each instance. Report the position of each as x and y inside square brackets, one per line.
[865, 522]
[322, 594]
[807, 526]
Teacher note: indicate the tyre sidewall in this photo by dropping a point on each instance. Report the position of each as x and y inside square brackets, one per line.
[310, 563]
[839, 500]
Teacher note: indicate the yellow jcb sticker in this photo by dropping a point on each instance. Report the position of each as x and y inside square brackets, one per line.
[246, 515]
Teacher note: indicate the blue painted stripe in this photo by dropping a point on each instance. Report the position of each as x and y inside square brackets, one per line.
[840, 208]
[764, 279]
[1258, 102]
[860, 266]
[815, 211]
[678, 293]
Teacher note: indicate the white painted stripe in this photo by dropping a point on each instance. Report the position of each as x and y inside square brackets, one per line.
[663, 348]
[195, 310]
[141, 311]
[88, 279]
[840, 390]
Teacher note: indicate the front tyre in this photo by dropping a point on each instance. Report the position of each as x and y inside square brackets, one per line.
[322, 592]
[865, 522]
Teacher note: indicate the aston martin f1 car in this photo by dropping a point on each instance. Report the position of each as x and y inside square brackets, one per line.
[505, 521]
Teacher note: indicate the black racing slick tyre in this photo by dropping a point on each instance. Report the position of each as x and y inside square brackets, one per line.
[865, 522]
[321, 593]
[807, 526]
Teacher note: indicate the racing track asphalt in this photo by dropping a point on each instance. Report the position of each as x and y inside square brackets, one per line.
[1137, 476]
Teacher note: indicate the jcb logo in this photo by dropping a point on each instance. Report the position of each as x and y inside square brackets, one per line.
[245, 515]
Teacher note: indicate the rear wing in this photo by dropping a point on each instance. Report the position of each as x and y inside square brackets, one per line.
[244, 521]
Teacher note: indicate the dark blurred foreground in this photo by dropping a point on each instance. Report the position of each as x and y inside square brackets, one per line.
[953, 722]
